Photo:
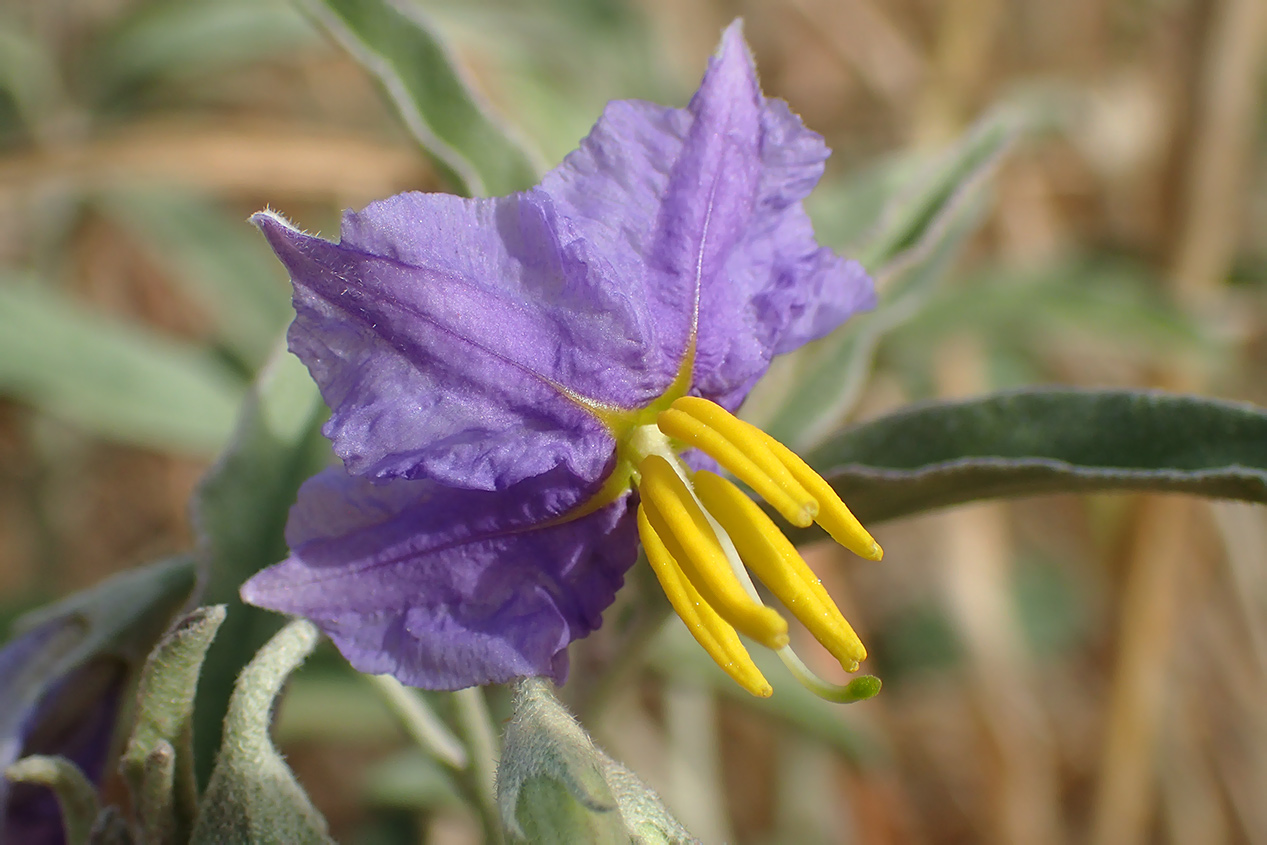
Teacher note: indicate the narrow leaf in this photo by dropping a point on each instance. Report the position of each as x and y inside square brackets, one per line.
[253, 797]
[1058, 440]
[1116, 302]
[915, 215]
[400, 46]
[240, 513]
[122, 615]
[114, 379]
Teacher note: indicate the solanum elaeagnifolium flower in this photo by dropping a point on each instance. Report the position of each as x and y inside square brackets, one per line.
[522, 387]
[49, 706]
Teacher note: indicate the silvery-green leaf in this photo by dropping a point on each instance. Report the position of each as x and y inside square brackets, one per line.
[123, 615]
[158, 761]
[1116, 304]
[1036, 441]
[399, 45]
[646, 818]
[917, 214]
[112, 378]
[252, 797]
[240, 510]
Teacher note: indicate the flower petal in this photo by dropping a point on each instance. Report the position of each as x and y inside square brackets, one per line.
[76, 720]
[447, 588]
[432, 371]
[47, 707]
[778, 288]
[610, 194]
[704, 206]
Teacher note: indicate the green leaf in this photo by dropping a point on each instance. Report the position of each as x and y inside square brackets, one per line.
[240, 511]
[76, 796]
[253, 797]
[400, 46]
[114, 379]
[122, 615]
[1059, 440]
[158, 762]
[914, 217]
[219, 258]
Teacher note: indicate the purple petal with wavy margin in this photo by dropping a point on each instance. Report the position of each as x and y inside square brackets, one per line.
[448, 588]
[430, 374]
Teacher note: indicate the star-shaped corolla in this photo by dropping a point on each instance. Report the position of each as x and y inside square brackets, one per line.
[511, 381]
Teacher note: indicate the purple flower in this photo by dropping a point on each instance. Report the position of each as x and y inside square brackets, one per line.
[52, 704]
[503, 373]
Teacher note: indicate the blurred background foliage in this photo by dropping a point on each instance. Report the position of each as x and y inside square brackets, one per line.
[1057, 669]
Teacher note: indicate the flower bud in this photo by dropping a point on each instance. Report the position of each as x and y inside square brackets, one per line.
[555, 785]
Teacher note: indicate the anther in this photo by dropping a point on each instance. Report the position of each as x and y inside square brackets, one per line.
[711, 631]
[678, 521]
[774, 560]
[833, 515]
[719, 434]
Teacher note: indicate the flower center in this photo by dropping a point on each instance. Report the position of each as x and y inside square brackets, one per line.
[702, 535]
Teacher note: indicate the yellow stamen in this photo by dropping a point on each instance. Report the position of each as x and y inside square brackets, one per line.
[833, 515]
[710, 428]
[679, 522]
[711, 631]
[774, 560]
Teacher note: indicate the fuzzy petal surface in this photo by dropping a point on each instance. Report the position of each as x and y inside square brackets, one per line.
[447, 588]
